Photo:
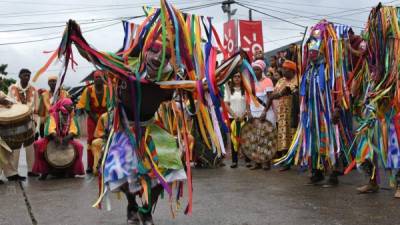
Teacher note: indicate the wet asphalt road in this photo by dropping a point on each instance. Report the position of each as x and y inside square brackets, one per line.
[221, 196]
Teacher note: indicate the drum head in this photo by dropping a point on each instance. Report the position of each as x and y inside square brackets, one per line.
[258, 140]
[16, 113]
[60, 157]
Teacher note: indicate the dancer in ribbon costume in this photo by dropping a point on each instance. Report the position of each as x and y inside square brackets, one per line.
[46, 99]
[165, 53]
[378, 98]
[93, 101]
[62, 128]
[286, 92]
[324, 130]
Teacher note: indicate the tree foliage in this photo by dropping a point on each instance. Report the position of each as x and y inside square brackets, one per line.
[5, 82]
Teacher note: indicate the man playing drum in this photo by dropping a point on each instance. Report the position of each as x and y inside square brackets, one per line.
[60, 128]
[4, 148]
[22, 93]
[93, 101]
[46, 98]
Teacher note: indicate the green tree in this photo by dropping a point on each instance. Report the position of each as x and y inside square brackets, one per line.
[6, 82]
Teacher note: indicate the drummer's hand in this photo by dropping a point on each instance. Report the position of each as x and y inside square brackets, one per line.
[263, 115]
[93, 116]
[57, 141]
[6, 103]
[249, 115]
[66, 140]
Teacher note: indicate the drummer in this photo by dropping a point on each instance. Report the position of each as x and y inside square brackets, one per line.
[93, 101]
[46, 98]
[61, 128]
[22, 93]
[4, 148]
[264, 88]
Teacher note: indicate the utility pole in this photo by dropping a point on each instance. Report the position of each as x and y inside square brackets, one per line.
[226, 8]
[250, 14]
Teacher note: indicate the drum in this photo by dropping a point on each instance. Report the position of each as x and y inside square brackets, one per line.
[17, 126]
[61, 156]
[258, 140]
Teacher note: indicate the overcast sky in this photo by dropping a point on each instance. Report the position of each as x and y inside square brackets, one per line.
[46, 18]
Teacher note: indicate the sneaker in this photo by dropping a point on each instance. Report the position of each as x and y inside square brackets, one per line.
[133, 218]
[146, 219]
[32, 174]
[234, 165]
[267, 166]
[1, 182]
[43, 177]
[248, 164]
[16, 177]
[333, 181]
[368, 188]
[284, 168]
[315, 179]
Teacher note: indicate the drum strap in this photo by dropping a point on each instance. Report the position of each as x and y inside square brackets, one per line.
[261, 102]
[4, 145]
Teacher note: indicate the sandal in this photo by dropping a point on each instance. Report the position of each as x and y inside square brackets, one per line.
[255, 167]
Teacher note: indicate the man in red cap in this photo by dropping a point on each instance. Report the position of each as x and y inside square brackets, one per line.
[46, 98]
[93, 101]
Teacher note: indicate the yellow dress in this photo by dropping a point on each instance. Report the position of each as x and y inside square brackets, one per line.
[284, 114]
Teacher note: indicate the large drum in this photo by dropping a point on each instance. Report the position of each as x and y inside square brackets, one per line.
[61, 156]
[17, 126]
[258, 140]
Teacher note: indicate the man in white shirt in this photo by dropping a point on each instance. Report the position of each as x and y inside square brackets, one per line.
[22, 93]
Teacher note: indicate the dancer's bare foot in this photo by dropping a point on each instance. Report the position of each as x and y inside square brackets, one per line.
[368, 188]
[397, 194]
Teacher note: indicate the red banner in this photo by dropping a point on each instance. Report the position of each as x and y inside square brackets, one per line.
[251, 36]
[230, 37]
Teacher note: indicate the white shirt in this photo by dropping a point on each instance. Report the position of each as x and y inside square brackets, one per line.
[236, 100]
[262, 88]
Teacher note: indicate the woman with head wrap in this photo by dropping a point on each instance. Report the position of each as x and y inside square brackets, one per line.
[285, 90]
[61, 128]
[264, 88]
